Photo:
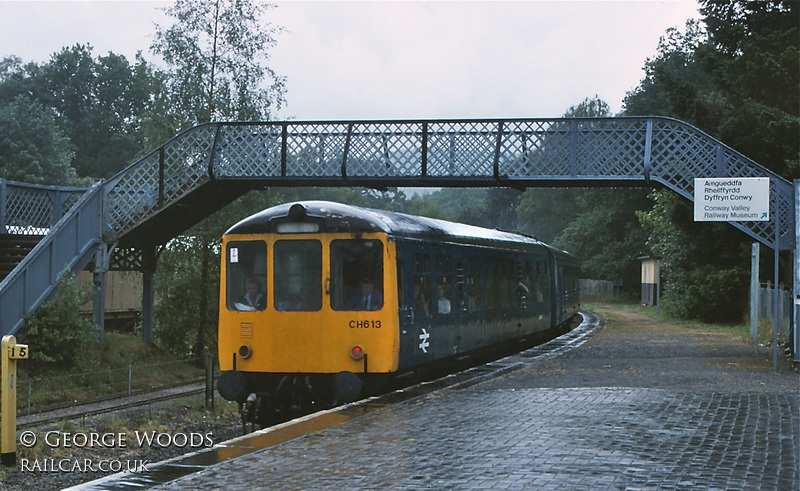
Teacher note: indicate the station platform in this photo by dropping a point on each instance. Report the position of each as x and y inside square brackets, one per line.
[614, 408]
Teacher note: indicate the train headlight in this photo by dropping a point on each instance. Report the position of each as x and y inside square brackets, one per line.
[245, 351]
[357, 352]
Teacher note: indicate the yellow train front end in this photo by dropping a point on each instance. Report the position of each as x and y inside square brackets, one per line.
[306, 309]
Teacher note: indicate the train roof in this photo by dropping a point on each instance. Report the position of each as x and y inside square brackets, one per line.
[338, 217]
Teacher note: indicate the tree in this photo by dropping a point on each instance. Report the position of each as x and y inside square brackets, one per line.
[33, 148]
[606, 237]
[216, 52]
[103, 103]
[99, 105]
[701, 279]
[737, 80]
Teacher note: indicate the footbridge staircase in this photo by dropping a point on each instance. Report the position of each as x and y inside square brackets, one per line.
[119, 223]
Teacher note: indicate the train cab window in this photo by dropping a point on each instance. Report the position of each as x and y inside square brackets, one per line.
[356, 274]
[246, 281]
[298, 275]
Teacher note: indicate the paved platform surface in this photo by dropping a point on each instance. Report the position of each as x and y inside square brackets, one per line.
[558, 423]
[485, 438]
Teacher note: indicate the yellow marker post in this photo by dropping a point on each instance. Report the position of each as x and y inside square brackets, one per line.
[10, 352]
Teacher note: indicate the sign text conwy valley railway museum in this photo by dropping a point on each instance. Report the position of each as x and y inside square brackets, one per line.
[731, 199]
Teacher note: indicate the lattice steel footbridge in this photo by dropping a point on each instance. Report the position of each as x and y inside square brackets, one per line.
[119, 223]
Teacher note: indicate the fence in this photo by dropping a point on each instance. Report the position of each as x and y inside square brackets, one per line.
[596, 287]
[766, 308]
[47, 392]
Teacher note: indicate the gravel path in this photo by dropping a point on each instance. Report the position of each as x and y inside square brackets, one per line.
[639, 352]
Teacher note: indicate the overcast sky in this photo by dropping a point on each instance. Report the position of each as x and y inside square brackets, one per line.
[402, 60]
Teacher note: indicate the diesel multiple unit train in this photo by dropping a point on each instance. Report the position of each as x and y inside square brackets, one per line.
[322, 302]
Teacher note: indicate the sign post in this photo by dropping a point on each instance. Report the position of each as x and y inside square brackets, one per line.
[739, 199]
[10, 352]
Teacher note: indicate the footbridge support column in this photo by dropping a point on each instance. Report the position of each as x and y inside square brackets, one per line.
[99, 299]
[149, 258]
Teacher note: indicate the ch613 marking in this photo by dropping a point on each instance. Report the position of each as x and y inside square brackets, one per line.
[356, 324]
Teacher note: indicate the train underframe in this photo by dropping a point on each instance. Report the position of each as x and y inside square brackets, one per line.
[269, 398]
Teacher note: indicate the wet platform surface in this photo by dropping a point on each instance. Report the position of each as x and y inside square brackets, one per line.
[491, 431]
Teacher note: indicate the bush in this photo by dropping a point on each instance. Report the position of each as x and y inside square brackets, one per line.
[58, 334]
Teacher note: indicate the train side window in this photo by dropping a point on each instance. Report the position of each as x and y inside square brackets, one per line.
[298, 275]
[246, 271]
[542, 283]
[527, 281]
[491, 285]
[444, 284]
[473, 284]
[422, 284]
[461, 293]
[356, 274]
[422, 263]
[506, 283]
[422, 295]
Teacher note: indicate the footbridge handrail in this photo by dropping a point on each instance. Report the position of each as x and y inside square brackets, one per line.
[31, 209]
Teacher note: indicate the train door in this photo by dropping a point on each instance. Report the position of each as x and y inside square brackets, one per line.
[414, 276]
[541, 294]
[446, 306]
[553, 288]
[468, 298]
[524, 296]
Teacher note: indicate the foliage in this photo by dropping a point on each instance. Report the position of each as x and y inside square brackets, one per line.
[701, 279]
[100, 104]
[187, 278]
[103, 103]
[58, 334]
[544, 213]
[606, 236]
[216, 52]
[737, 80]
[33, 148]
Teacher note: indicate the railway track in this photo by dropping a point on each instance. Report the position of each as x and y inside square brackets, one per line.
[104, 405]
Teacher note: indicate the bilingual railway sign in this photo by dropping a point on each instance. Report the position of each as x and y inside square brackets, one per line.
[731, 199]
